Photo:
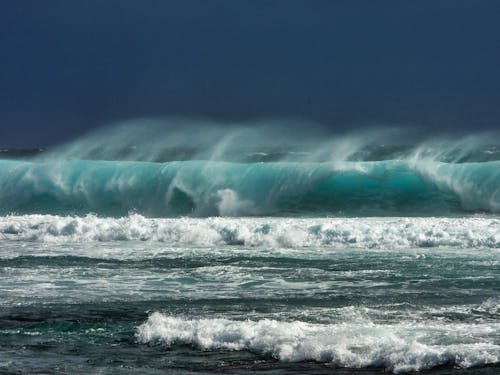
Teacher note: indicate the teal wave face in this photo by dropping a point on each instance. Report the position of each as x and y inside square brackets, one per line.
[208, 188]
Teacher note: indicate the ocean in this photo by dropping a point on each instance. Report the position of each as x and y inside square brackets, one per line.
[140, 250]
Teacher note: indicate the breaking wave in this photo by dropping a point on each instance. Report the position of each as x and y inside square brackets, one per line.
[377, 233]
[179, 168]
[404, 347]
[208, 188]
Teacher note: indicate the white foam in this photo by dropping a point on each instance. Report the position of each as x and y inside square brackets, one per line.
[336, 233]
[396, 347]
[229, 204]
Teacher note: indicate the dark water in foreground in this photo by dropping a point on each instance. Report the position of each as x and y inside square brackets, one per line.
[209, 249]
[333, 298]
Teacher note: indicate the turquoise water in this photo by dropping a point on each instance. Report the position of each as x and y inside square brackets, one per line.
[240, 252]
[208, 188]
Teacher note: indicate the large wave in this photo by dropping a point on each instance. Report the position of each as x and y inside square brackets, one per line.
[209, 170]
[208, 188]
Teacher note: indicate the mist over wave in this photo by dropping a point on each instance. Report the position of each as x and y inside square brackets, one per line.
[175, 139]
[180, 167]
[249, 248]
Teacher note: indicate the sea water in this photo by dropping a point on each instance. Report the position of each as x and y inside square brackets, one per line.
[232, 252]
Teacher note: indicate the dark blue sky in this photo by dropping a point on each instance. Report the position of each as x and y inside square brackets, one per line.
[68, 66]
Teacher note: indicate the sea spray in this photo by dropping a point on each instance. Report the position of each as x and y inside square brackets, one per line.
[396, 347]
[175, 167]
[188, 246]
[326, 233]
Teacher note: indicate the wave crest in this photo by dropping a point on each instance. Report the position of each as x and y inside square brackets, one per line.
[204, 188]
[398, 347]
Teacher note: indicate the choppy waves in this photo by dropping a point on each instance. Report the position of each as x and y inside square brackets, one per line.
[381, 233]
[402, 347]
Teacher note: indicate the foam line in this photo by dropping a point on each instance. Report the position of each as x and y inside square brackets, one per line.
[396, 347]
[335, 233]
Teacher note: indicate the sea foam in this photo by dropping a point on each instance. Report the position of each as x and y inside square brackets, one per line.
[370, 233]
[396, 347]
